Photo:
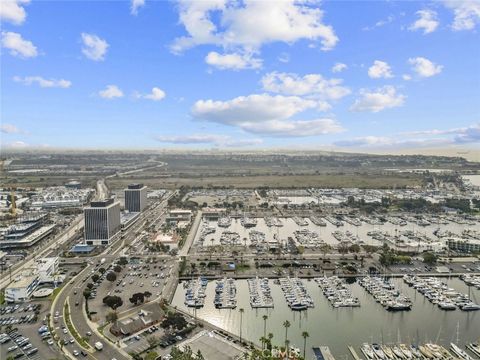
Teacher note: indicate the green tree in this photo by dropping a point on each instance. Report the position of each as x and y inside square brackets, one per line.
[305, 335]
[151, 355]
[111, 316]
[265, 317]
[111, 277]
[429, 258]
[286, 324]
[95, 277]
[86, 293]
[112, 301]
[241, 321]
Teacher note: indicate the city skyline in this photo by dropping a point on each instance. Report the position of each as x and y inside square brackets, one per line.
[146, 74]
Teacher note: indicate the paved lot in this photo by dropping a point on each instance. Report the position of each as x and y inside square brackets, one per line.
[134, 277]
[28, 330]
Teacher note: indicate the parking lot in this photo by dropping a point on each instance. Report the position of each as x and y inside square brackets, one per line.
[20, 336]
[145, 276]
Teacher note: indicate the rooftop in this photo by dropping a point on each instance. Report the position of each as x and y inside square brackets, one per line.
[213, 346]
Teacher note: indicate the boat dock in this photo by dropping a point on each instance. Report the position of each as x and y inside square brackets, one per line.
[327, 355]
[354, 353]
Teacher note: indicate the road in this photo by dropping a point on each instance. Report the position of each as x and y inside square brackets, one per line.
[74, 291]
[47, 247]
[191, 235]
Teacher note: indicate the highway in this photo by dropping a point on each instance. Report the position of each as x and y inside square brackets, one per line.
[74, 291]
[46, 248]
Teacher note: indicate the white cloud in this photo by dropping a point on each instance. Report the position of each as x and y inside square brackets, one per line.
[250, 24]
[13, 11]
[17, 145]
[377, 100]
[265, 114]
[293, 128]
[17, 45]
[136, 4]
[233, 61]
[470, 134]
[313, 85]
[427, 21]
[157, 94]
[461, 135]
[380, 23]
[424, 67]
[213, 139]
[380, 69]
[406, 77]
[9, 129]
[339, 67]
[390, 142]
[284, 57]
[111, 92]
[94, 47]
[44, 83]
[466, 13]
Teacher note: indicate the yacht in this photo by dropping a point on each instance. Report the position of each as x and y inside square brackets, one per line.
[475, 348]
[388, 352]
[378, 352]
[459, 352]
[367, 351]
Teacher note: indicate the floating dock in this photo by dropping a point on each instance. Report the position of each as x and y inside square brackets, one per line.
[327, 355]
[354, 353]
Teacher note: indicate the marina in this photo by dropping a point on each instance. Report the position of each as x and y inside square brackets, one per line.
[225, 294]
[295, 294]
[195, 292]
[337, 292]
[337, 327]
[260, 294]
[400, 232]
[439, 293]
[385, 293]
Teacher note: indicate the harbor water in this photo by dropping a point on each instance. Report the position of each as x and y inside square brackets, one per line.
[340, 327]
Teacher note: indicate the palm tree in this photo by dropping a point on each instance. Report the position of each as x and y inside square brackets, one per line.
[305, 334]
[287, 346]
[270, 337]
[241, 320]
[265, 317]
[286, 324]
[264, 341]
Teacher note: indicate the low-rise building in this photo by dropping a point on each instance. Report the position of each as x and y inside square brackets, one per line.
[177, 216]
[464, 245]
[150, 315]
[22, 286]
[28, 230]
[47, 267]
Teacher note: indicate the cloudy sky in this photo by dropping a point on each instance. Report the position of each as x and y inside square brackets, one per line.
[240, 74]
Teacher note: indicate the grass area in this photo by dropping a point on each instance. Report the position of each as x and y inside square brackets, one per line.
[372, 181]
[55, 292]
[101, 330]
[73, 331]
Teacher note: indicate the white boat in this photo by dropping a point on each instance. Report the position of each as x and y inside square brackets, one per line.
[459, 352]
[367, 351]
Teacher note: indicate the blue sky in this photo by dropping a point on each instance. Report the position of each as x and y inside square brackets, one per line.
[239, 74]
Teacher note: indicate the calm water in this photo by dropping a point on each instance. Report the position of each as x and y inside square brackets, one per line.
[474, 179]
[338, 328]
